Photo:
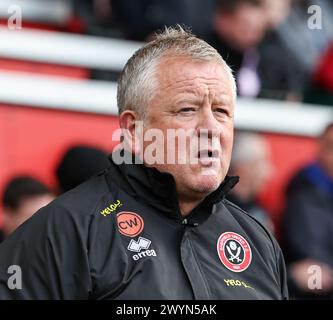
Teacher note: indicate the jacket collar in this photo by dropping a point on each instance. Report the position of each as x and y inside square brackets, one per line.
[158, 189]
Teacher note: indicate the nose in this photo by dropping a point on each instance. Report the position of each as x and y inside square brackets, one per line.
[207, 124]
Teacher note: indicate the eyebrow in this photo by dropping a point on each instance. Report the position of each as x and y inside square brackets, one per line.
[222, 101]
[195, 100]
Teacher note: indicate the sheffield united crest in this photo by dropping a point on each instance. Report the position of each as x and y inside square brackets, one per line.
[234, 251]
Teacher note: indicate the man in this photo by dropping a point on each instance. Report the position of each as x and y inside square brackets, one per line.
[308, 223]
[22, 197]
[251, 160]
[239, 26]
[155, 230]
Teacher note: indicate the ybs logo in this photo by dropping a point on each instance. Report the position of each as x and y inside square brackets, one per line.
[234, 251]
[129, 223]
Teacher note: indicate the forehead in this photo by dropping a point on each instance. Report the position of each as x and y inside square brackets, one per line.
[173, 72]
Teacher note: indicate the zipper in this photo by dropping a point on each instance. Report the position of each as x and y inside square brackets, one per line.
[185, 223]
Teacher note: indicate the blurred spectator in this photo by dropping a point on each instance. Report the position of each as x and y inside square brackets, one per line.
[239, 26]
[251, 161]
[321, 88]
[277, 11]
[308, 222]
[78, 164]
[22, 197]
[284, 68]
[100, 17]
[298, 37]
[142, 18]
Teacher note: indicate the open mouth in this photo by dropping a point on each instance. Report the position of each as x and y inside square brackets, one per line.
[208, 154]
[208, 157]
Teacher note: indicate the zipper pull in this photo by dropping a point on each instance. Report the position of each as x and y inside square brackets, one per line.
[186, 223]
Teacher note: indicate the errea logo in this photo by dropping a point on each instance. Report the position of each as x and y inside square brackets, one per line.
[136, 246]
[141, 244]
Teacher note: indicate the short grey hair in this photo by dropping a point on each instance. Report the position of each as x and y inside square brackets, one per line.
[137, 81]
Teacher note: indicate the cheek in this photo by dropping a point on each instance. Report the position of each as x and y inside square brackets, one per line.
[227, 138]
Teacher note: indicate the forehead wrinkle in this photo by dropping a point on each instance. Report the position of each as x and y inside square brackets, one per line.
[188, 86]
[168, 73]
[200, 95]
[199, 90]
[191, 81]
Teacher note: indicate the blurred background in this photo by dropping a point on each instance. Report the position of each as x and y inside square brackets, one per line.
[59, 63]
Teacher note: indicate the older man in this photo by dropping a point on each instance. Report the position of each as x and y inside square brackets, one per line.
[251, 160]
[161, 229]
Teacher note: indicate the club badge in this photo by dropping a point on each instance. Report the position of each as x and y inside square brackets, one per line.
[234, 251]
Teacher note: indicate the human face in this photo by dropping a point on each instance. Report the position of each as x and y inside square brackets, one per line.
[256, 170]
[195, 96]
[26, 209]
[243, 28]
[249, 26]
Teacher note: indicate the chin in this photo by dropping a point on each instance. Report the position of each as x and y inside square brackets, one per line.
[207, 183]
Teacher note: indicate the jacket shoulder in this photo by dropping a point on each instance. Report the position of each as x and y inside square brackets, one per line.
[249, 222]
[84, 198]
[264, 242]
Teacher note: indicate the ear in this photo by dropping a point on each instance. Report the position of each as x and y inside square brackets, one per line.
[130, 125]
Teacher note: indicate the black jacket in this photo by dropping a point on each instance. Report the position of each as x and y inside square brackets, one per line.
[120, 235]
[308, 217]
[308, 224]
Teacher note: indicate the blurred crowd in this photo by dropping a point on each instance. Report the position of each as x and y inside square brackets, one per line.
[24, 194]
[307, 220]
[278, 49]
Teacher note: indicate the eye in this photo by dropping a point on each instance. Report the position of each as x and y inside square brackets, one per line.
[187, 110]
[221, 111]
